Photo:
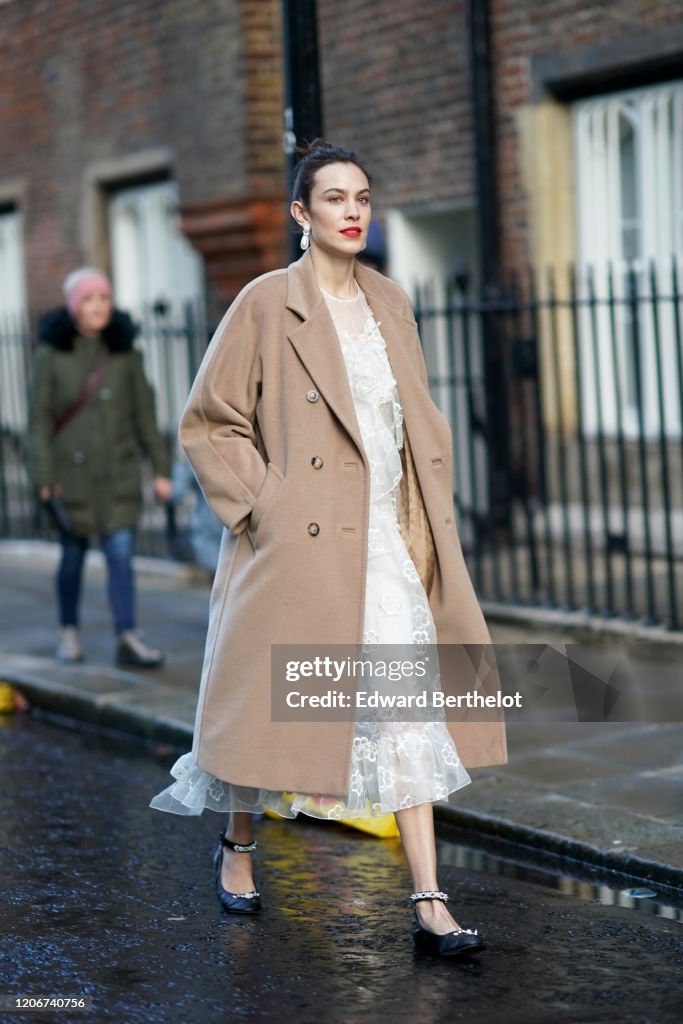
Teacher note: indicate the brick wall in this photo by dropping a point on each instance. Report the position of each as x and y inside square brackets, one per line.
[524, 31]
[264, 94]
[245, 236]
[86, 81]
[395, 86]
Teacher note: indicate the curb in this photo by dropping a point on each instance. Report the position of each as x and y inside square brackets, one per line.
[115, 708]
[537, 840]
[580, 624]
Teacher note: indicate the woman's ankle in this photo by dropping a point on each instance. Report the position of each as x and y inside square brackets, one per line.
[239, 829]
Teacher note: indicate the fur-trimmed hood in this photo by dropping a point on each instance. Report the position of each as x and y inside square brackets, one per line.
[57, 328]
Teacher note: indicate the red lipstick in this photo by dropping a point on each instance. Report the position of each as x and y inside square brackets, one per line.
[351, 232]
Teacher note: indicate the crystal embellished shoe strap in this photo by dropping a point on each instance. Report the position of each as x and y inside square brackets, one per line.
[429, 894]
[237, 847]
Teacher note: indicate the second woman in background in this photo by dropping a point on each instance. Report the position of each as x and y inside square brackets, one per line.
[92, 421]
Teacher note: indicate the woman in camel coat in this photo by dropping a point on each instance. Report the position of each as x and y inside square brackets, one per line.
[272, 432]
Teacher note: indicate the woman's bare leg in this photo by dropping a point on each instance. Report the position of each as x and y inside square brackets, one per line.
[237, 872]
[416, 825]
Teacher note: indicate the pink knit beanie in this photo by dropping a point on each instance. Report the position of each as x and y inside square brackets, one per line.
[81, 283]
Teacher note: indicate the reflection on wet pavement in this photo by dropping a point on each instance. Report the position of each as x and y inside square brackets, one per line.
[606, 887]
[106, 898]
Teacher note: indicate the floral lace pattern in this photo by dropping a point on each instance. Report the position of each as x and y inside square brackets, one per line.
[394, 764]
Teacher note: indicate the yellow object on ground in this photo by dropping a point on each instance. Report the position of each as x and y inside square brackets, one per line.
[11, 700]
[383, 827]
[7, 701]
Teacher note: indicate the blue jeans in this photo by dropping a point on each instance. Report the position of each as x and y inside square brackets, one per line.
[118, 548]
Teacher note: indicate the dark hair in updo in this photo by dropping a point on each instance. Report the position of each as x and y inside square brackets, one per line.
[316, 155]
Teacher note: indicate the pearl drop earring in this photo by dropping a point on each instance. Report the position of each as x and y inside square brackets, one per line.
[305, 241]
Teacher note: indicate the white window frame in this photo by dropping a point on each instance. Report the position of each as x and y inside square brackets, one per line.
[154, 266]
[13, 325]
[655, 117]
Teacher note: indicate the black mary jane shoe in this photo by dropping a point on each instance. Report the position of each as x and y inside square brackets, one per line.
[456, 943]
[235, 902]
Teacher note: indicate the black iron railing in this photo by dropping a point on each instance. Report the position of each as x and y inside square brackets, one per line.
[566, 403]
[567, 408]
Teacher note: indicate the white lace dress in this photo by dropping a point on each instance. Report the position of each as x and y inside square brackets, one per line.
[394, 764]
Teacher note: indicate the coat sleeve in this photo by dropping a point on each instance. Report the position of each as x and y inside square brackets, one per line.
[217, 426]
[42, 420]
[151, 441]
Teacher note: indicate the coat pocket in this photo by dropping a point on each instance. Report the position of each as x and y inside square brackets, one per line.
[264, 498]
[73, 482]
[126, 481]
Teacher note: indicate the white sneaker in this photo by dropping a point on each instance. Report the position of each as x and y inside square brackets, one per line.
[69, 647]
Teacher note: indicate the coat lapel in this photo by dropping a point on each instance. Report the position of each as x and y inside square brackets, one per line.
[316, 342]
[317, 345]
[398, 334]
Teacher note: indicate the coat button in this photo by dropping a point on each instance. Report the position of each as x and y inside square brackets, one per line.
[79, 457]
[313, 529]
[317, 462]
[312, 396]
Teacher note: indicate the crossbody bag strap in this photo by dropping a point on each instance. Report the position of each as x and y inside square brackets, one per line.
[94, 380]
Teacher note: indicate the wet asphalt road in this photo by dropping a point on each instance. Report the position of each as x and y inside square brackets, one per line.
[105, 898]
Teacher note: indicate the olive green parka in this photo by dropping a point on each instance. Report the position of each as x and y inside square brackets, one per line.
[96, 459]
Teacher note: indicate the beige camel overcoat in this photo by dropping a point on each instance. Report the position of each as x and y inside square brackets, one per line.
[270, 402]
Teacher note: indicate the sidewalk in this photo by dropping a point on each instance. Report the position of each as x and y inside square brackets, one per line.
[610, 794]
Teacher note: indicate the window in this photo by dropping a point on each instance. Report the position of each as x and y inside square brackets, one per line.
[13, 329]
[629, 159]
[12, 278]
[630, 175]
[157, 275]
[152, 261]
